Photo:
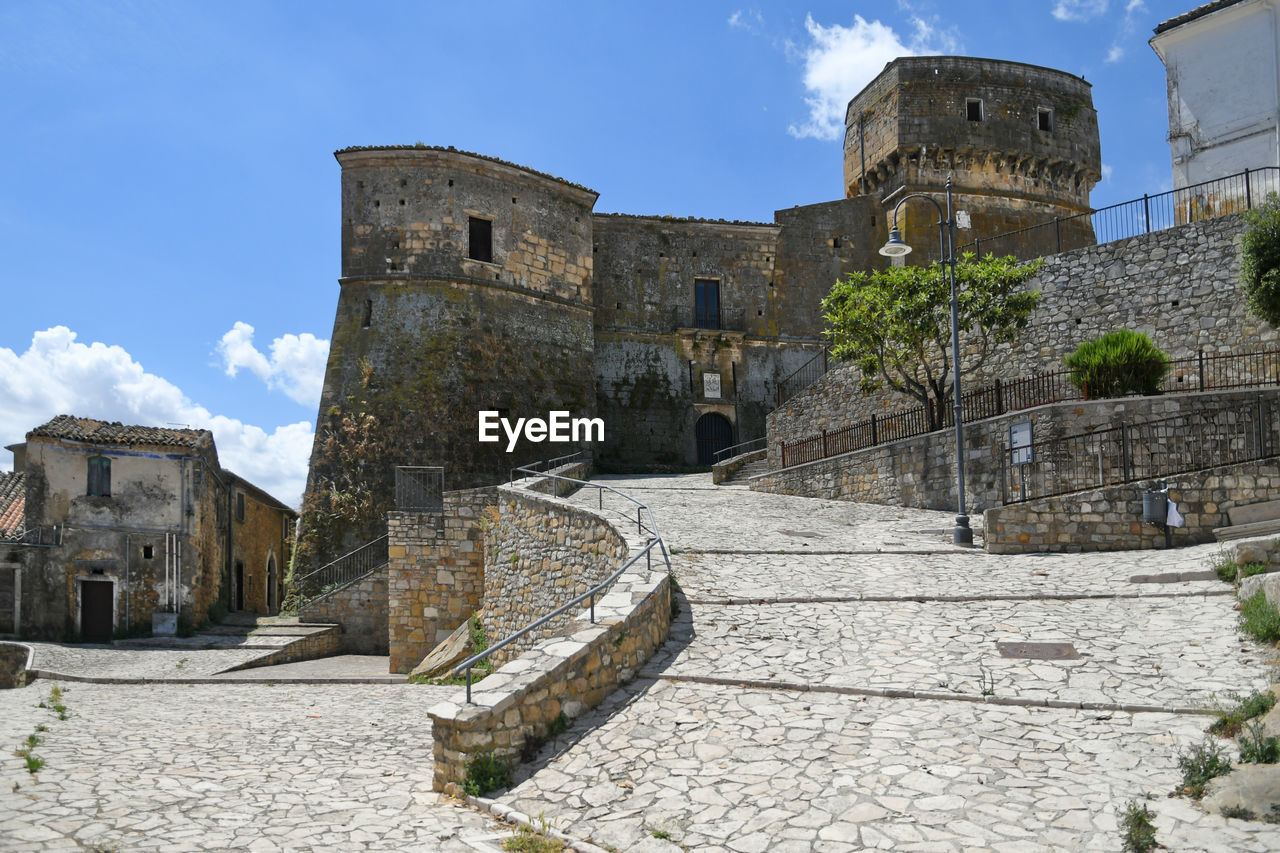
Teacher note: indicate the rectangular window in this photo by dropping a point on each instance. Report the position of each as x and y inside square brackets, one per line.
[99, 477]
[973, 108]
[480, 239]
[239, 506]
[706, 303]
[1044, 120]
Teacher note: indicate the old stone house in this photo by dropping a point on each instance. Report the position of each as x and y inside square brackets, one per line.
[129, 528]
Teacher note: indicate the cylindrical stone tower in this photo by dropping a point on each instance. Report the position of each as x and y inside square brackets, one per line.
[466, 286]
[1019, 141]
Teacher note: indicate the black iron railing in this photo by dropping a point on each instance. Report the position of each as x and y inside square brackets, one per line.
[419, 488]
[741, 448]
[342, 571]
[1143, 451]
[1200, 372]
[801, 378]
[1207, 200]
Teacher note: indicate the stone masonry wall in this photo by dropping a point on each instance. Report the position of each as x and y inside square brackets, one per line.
[547, 552]
[435, 574]
[1178, 286]
[920, 471]
[1110, 519]
[566, 674]
[360, 608]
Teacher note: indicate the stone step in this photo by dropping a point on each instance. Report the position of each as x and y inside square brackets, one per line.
[751, 469]
[1254, 513]
[1244, 531]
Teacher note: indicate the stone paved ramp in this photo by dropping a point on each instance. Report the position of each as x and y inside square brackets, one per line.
[170, 767]
[827, 689]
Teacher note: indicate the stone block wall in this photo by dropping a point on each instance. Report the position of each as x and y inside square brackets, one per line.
[547, 552]
[360, 608]
[569, 675]
[1178, 286]
[14, 660]
[435, 574]
[920, 471]
[1110, 519]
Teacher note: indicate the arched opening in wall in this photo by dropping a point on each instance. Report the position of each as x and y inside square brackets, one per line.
[714, 433]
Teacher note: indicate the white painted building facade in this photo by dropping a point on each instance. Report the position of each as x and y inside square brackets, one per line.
[1223, 72]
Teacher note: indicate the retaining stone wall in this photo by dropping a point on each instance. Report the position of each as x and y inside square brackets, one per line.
[545, 553]
[1178, 286]
[435, 576]
[567, 674]
[722, 471]
[920, 472]
[13, 665]
[321, 644]
[1110, 519]
[360, 608]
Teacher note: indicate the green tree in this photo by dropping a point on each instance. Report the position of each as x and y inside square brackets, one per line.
[1260, 260]
[895, 324]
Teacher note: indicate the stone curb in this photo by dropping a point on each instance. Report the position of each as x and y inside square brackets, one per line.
[815, 552]
[1081, 596]
[49, 675]
[906, 693]
[509, 815]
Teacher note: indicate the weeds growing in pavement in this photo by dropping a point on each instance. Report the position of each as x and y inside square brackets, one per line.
[486, 773]
[1201, 764]
[1259, 618]
[1256, 746]
[1224, 566]
[1139, 831]
[1230, 720]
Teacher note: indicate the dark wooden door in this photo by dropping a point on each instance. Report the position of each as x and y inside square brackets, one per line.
[95, 611]
[237, 582]
[714, 433]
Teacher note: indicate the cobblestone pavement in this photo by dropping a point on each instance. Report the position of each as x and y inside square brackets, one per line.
[170, 767]
[839, 704]
[131, 664]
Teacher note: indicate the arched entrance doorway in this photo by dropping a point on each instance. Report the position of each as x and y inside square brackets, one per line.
[714, 433]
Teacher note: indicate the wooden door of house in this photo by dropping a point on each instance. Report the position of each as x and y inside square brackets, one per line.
[95, 611]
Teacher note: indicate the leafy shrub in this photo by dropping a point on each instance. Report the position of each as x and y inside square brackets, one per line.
[1259, 619]
[1139, 831]
[1248, 570]
[1201, 764]
[1230, 720]
[1118, 363]
[486, 773]
[1260, 261]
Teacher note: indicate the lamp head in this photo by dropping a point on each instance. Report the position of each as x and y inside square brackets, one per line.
[895, 248]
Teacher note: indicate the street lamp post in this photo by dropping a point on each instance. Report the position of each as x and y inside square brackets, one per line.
[896, 247]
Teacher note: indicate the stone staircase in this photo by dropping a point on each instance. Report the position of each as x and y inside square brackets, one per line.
[281, 639]
[749, 470]
[1259, 519]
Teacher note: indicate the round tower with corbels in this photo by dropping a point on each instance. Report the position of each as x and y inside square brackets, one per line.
[1019, 141]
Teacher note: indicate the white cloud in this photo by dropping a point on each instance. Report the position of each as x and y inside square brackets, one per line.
[1079, 10]
[1106, 173]
[296, 365]
[750, 20]
[58, 375]
[1128, 27]
[1115, 54]
[839, 61]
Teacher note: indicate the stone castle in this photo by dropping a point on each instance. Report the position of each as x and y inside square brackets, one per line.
[469, 283]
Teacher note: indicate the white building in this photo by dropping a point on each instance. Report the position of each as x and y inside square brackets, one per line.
[1224, 92]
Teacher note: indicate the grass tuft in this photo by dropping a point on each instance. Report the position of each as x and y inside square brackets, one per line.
[1256, 746]
[486, 773]
[1259, 618]
[1230, 720]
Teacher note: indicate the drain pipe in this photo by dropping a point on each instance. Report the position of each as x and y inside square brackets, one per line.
[128, 551]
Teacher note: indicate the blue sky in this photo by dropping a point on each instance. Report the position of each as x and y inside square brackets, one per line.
[169, 199]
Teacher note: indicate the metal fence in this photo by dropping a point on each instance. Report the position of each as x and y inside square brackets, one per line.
[1200, 372]
[741, 448]
[801, 378]
[419, 488]
[1106, 457]
[1207, 200]
[349, 567]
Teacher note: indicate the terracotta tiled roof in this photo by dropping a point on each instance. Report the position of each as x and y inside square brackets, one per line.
[1198, 12]
[101, 432]
[13, 501]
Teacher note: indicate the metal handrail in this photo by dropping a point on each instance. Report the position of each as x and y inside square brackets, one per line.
[655, 539]
[721, 455]
[547, 465]
[300, 583]
[591, 594]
